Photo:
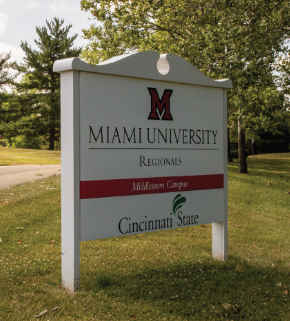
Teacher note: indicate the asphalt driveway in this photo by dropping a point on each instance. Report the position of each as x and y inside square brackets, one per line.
[19, 174]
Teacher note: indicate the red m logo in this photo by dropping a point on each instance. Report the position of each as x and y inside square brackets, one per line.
[160, 109]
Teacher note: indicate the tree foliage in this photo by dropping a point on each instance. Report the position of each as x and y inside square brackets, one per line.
[283, 66]
[40, 83]
[18, 123]
[7, 76]
[7, 72]
[236, 39]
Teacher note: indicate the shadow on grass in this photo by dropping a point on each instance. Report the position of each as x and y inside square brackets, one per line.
[206, 290]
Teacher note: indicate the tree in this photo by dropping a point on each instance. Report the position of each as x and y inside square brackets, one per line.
[7, 74]
[39, 80]
[238, 39]
[19, 123]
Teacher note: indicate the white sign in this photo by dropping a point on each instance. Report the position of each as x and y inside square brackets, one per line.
[143, 149]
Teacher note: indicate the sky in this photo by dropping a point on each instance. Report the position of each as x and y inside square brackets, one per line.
[18, 19]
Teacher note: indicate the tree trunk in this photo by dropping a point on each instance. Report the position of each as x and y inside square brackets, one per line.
[230, 159]
[51, 138]
[242, 147]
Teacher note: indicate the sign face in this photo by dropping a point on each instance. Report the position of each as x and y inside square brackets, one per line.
[142, 143]
[142, 149]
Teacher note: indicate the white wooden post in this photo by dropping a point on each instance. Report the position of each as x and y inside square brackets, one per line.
[70, 202]
[220, 230]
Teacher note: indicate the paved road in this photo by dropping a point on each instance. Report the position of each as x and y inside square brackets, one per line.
[19, 174]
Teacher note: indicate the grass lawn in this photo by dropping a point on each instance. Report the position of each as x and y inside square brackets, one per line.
[168, 275]
[19, 156]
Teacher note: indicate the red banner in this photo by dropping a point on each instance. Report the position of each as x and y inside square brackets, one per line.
[152, 185]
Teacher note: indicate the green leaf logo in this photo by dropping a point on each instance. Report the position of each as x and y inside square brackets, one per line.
[178, 202]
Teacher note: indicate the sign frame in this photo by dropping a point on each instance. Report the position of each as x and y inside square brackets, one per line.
[148, 65]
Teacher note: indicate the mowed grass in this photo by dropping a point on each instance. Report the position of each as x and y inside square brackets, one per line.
[19, 156]
[168, 275]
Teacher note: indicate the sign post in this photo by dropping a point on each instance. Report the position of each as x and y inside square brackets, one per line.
[144, 148]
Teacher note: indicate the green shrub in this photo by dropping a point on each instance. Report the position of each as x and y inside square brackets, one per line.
[27, 142]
